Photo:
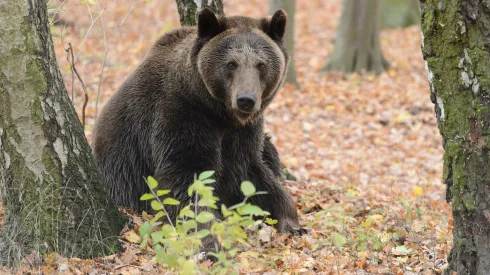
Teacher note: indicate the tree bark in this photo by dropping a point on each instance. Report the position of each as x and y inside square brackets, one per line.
[53, 196]
[188, 10]
[456, 49]
[357, 46]
[289, 6]
[400, 13]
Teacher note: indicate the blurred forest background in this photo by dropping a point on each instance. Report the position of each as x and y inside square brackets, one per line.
[364, 147]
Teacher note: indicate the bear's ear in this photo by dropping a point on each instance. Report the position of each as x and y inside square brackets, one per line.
[208, 25]
[277, 25]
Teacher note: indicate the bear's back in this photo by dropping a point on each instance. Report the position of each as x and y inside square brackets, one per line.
[158, 74]
[132, 107]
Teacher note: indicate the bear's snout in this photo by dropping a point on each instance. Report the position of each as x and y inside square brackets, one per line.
[246, 102]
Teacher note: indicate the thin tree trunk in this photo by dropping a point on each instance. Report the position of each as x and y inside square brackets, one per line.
[53, 196]
[357, 46]
[188, 10]
[400, 13]
[290, 7]
[456, 49]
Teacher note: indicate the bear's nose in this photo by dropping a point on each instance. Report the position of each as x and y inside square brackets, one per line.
[246, 102]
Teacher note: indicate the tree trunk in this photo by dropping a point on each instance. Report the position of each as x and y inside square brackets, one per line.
[53, 196]
[357, 46]
[289, 6]
[188, 9]
[400, 13]
[456, 49]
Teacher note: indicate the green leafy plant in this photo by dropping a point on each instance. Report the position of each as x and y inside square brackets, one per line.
[177, 243]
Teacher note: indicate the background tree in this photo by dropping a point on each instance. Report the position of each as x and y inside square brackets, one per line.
[188, 10]
[456, 49]
[53, 195]
[400, 13]
[357, 45]
[289, 6]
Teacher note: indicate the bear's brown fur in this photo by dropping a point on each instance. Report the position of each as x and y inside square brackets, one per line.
[194, 104]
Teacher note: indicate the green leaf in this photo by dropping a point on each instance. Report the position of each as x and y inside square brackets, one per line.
[270, 221]
[247, 223]
[157, 216]
[170, 260]
[189, 267]
[338, 240]
[224, 211]
[171, 201]
[144, 243]
[190, 190]
[186, 212]
[157, 236]
[152, 182]
[218, 228]
[190, 224]
[202, 233]
[205, 217]
[160, 253]
[250, 209]
[146, 197]
[168, 231]
[206, 174]
[176, 246]
[155, 205]
[162, 192]
[206, 202]
[207, 181]
[154, 224]
[248, 189]
[145, 229]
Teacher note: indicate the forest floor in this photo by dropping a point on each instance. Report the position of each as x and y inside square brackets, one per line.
[365, 148]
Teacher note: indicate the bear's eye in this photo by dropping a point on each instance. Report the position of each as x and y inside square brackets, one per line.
[261, 66]
[232, 65]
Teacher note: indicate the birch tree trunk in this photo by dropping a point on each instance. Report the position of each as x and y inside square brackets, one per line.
[53, 196]
[289, 6]
[357, 45]
[456, 49]
[188, 10]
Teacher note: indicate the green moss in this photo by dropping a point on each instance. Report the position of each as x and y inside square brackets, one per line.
[455, 173]
[428, 18]
[468, 202]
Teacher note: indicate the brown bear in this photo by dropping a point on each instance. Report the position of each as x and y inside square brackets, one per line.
[196, 103]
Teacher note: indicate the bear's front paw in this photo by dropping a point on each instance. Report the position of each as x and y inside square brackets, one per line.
[287, 225]
[298, 231]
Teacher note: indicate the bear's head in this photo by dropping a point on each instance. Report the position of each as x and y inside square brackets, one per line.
[241, 60]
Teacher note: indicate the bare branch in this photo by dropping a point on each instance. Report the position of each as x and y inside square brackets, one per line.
[131, 6]
[74, 69]
[105, 58]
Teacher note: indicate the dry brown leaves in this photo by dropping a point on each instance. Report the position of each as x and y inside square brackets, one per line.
[366, 148]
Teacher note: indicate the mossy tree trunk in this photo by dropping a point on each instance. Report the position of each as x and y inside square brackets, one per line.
[53, 196]
[456, 49]
[357, 45]
[188, 9]
[289, 6]
[400, 13]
